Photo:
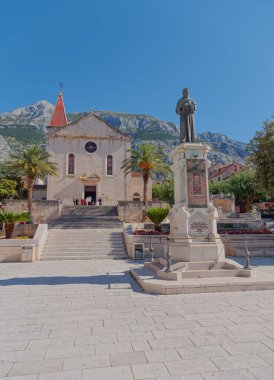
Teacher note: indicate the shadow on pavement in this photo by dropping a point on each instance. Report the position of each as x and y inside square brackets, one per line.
[106, 279]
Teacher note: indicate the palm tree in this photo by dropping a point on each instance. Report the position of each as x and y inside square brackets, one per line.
[32, 163]
[148, 159]
[9, 218]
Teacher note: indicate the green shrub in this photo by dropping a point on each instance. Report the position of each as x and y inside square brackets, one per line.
[157, 215]
[9, 218]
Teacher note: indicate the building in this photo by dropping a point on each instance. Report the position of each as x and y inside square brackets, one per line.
[89, 153]
[219, 172]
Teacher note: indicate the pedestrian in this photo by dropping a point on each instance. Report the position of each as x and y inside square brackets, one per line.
[82, 201]
[100, 201]
[77, 201]
[74, 201]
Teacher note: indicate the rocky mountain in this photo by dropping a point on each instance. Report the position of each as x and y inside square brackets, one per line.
[147, 128]
[224, 149]
[143, 128]
[37, 114]
[26, 125]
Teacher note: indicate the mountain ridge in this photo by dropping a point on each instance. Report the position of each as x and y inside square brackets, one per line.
[27, 124]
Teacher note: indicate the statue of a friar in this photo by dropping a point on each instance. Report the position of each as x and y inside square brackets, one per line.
[186, 108]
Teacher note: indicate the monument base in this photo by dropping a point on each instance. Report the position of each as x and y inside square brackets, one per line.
[193, 219]
[197, 251]
[193, 235]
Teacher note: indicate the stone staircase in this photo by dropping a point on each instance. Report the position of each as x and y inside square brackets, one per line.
[85, 233]
[86, 217]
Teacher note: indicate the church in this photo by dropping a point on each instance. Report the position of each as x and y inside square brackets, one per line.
[89, 154]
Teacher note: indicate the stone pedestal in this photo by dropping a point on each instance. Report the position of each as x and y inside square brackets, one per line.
[193, 219]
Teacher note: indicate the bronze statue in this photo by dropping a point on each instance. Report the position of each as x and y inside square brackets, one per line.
[186, 108]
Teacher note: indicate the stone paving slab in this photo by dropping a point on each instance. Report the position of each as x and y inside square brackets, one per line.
[78, 320]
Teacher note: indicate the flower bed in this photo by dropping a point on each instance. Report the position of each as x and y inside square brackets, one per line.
[247, 231]
[149, 232]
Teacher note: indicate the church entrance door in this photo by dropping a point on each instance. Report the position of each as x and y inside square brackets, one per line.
[90, 191]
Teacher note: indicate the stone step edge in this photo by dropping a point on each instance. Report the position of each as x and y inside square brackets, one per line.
[56, 258]
[151, 284]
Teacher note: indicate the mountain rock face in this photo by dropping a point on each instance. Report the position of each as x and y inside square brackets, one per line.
[147, 128]
[143, 128]
[4, 149]
[37, 114]
[26, 125]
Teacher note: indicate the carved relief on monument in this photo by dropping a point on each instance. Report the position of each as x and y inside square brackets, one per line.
[196, 183]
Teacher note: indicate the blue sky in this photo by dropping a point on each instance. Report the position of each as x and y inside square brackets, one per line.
[136, 56]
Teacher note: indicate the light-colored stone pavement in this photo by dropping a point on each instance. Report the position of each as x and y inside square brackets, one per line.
[85, 320]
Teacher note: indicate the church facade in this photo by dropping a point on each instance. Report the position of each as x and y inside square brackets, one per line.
[89, 154]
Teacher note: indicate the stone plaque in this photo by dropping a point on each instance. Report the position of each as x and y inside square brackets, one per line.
[196, 183]
[199, 224]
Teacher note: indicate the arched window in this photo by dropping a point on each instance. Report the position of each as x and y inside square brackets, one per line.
[136, 197]
[71, 161]
[109, 164]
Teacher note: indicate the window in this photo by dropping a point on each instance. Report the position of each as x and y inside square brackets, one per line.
[109, 164]
[71, 163]
[136, 197]
[91, 147]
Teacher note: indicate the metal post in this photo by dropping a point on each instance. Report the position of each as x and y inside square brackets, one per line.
[247, 255]
[168, 257]
[151, 250]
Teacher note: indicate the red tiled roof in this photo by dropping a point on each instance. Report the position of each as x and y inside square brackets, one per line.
[221, 170]
[59, 118]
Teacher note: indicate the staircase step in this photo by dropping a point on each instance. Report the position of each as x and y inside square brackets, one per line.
[79, 257]
[82, 250]
[85, 233]
[80, 253]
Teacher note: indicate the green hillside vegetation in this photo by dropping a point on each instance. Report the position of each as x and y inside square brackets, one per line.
[74, 117]
[18, 135]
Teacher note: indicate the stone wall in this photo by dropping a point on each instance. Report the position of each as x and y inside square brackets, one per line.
[39, 192]
[158, 242]
[137, 186]
[42, 210]
[258, 245]
[132, 212]
[227, 205]
[11, 250]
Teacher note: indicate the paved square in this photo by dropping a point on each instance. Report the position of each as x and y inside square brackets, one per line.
[85, 320]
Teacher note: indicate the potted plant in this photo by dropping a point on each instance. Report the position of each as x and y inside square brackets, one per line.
[157, 215]
[9, 218]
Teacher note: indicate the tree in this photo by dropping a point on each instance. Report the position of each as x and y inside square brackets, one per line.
[164, 191]
[31, 164]
[8, 188]
[11, 184]
[219, 187]
[261, 148]
[148, 159]
[9, 218]
[244, 188]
